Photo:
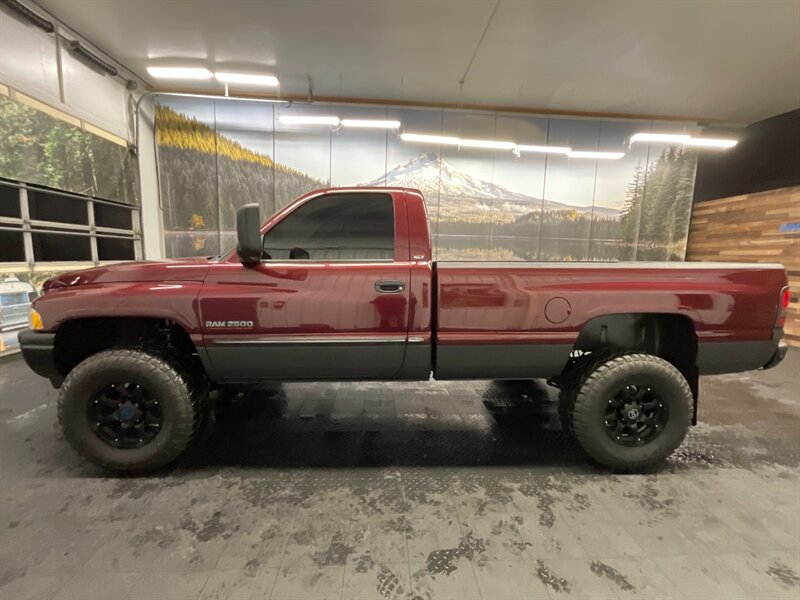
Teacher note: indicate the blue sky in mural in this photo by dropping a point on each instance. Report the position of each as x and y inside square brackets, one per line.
[197, 108]
[359, 155]
[249, 123]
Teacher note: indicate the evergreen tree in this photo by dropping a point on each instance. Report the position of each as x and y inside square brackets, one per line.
[38, 148]
[683, 206]
[205, 177]
[655, 218]
[631, 212]
[658, 206]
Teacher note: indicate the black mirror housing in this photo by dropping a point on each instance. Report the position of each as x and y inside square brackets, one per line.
[248, 230]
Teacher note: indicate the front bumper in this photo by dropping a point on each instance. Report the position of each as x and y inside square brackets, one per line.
[38, 350]
[779, 355]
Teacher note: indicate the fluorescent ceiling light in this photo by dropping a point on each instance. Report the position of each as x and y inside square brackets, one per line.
[179, 72]
[684, 139]
[371, 123]
[491, 144]
[598, 155]
[309, 120]
[429, 139]
[245, 78]
[545, 149]
[454, 141]
[679, 138]
[712, 142]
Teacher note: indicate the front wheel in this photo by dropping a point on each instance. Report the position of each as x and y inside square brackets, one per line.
[129, 410]
[631, 412]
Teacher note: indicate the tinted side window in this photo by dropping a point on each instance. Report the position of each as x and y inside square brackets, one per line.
[335, 227]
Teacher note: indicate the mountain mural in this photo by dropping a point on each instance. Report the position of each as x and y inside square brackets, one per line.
[436, 177]
[205, 175]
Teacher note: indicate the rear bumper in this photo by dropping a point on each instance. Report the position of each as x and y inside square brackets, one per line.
[716, 358]
[38, 350]
[779, 355]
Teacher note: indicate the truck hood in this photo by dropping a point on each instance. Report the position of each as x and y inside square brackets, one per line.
[192, 269]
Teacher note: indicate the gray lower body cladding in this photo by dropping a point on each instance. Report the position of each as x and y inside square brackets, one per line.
[500, 361]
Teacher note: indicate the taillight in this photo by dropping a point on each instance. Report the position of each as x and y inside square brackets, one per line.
[783, 307]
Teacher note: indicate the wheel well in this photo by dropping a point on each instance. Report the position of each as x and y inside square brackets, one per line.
[77, 340]
[669, 336]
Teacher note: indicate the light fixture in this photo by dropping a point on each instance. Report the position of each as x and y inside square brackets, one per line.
[245, 78]
[179, 72]
[504, 145]
[680, 138]
[446, 140]
[27, 14]
[545, 149]
[597, 155]
[490, 144]
[429, 139]
[684, 140]
[81, 50]
[309, 120]
[711, 142]
[371, 123]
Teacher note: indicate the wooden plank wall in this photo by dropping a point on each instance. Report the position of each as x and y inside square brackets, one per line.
[749, 229]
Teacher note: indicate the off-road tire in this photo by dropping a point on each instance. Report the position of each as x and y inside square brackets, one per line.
[180, 394]
[588, 406]
[572, 379]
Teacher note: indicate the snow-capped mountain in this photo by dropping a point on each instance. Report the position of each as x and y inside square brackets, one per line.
[430, 173]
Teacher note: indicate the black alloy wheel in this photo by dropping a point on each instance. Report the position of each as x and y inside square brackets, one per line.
[635, 415]
[125, 415]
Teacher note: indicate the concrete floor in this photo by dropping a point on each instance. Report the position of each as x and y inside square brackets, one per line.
[400, 491]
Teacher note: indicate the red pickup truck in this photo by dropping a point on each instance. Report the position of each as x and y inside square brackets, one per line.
[341, 285]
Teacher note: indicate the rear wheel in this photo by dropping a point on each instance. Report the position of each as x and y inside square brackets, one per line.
[631, 412]
[129, 410]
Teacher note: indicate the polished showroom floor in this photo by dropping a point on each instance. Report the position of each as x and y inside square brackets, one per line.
[404, 491]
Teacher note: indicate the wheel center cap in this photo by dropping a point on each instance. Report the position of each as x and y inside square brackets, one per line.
[633, 414]
[126, 412]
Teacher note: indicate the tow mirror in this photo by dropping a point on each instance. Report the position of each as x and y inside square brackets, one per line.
[248, 230]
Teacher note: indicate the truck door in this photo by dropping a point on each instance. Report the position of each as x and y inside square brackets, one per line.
[329, 299]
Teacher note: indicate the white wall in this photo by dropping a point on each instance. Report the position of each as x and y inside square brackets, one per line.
[28, 58]
[32, 62]
[152, 221]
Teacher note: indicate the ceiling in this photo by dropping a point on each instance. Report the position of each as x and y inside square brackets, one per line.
[737, 62]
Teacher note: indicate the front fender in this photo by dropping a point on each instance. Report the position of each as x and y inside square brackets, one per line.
[170, 301]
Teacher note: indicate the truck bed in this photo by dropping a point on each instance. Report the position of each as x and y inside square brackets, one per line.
[522, 319]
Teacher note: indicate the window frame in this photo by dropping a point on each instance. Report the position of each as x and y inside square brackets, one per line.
[290, 261]
[29, 227]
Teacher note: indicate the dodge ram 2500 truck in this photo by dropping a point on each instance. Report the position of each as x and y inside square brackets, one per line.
[341, 285]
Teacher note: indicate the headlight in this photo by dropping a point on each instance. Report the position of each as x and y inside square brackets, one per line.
[35, 320]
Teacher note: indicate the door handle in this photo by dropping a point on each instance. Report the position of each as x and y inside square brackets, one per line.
[389, 287]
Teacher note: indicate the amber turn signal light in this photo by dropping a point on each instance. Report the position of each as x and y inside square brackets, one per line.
[36, 320]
